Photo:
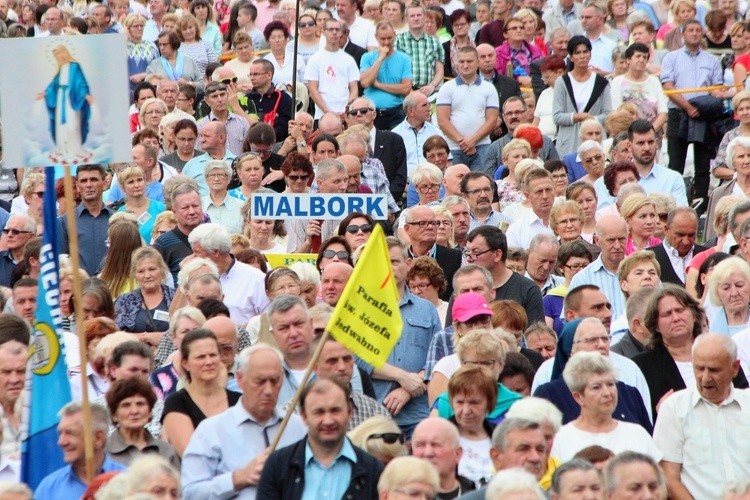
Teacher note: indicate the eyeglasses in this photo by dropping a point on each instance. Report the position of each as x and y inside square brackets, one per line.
[38, 194]
[489, 363]
[15, 232]
[360, 111]
[478, 321]
[354, 229]
[565, 222]
[216, 175]
[308, 24]
[424, 223]
[416, 494]
[513, 113]
[389, 437]
[559, 177]
[428, 188]
[594, 340]
[575, 267]
[473, 256]
[227, 81]
[136, 26]
[474, 192]
[227, 348]
[419, 286]
[185, 139]
[445, 223]
[596, 158]
[215, 88]
[259, 152]
[334, 30]
[341, 254]
[154, 112]
[514, 28]
[297, 178]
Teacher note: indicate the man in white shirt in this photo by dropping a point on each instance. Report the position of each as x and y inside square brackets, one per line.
[702, 430]
[416, 128]
[542, 261]
[361, 31]
[539, 189]
[592, 22]
[332, 74]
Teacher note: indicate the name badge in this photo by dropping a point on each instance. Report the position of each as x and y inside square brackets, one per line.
[145, 217]
[160, 315]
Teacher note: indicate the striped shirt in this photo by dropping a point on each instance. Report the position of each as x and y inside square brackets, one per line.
[596, 274]
[424, 52]
[690, 71]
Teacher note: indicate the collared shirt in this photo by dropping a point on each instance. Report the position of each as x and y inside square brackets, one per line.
[493, 219]
[664, 180]
[468, 103]
[194, 169]
[227, 442]
[708, 440]
[7, 264]
[236, 126]
[373, 176]
[226, 214]
[441, 345]
[525, 228]
[11, 446]
[607, 281]
[364, 408]
[421, 322]
[424, 52]
[125, 453]
[332, 481]
[64, 483]
[552, 282]
[568, 16]
[690, 71]
[92, 234]
[601, 53]
[245, 292]
[297, 230]
[414, 139]
[679, 264]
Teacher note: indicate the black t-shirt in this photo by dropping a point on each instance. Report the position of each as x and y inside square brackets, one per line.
[274, 163]
[524, 291]
[464, 486]
[181, 402]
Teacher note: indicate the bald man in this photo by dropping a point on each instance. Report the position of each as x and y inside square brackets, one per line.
[354, 171]
[436, 440]
[333, 280]
[611, 236]
[330, 123]
[452, 179]
[214, 143]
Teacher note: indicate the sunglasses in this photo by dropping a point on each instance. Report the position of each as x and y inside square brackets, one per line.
[227, 81]
[39, 194]
[341, 254]
[307, 24]
[296, 178]
[354, 229]
[16, 232]
[360, 111]
[389, 437]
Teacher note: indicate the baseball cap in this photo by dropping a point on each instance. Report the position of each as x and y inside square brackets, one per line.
[469, 305]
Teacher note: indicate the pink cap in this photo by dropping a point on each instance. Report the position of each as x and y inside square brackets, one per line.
[469, 305]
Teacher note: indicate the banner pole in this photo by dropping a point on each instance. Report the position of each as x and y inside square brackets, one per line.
[294, 62]
[302, 384]
[88, 437]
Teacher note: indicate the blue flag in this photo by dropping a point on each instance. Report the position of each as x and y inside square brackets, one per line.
[47, 385]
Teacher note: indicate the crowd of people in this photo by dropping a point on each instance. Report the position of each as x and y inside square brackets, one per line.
[565, 335]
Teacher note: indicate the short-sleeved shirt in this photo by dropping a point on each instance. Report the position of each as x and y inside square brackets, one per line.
[393, 69]
[333, 71]
[690, 71]
[424, 53]
[468, 102]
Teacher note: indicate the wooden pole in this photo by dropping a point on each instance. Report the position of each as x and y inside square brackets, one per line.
[88, 436]
[294, 63]
[302, 384]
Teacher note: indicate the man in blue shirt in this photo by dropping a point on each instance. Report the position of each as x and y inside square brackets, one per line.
[145, 157]
[71, 481]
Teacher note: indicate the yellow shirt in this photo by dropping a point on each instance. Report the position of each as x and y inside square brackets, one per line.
[546, 481]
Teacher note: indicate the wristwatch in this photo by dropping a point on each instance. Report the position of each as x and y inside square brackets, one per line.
[302, 143]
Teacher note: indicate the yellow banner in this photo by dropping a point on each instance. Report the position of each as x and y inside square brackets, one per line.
[367, 319]
[287, 259]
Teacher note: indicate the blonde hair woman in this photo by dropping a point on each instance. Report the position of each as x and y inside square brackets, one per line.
[509, 189]
[408, 477]
[639, 212]
[132, 180]
[380, 437]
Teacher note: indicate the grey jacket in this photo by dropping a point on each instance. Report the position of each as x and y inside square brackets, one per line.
[554, 18]
[563, 108]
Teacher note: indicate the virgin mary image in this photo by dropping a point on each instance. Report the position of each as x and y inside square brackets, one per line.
[68, 100]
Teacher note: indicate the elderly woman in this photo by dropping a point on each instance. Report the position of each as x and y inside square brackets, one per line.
[166, 134]
[552, 68]
[165, 379]
[140, 52]
[280, 281]
[566, 221]
[309, 281]
[427, 280]
[639, 213]
[130, 402]
[408, 477]
[445, 229]
[478, 346]
[173, 64]
[151, 113]
[356, 229]
[132, 180]
[436, 151]
[427, 180]
[30, 201]
[281, 54]
[380, 437]
[674, 320]
[472, 392]
[723, 168]
[559, 175]
[434, 24]
[297, 170]
[201, 51]
[223, 209]
[640, 87]
[260, 232]
[205, 394]
[95, 330]
[592, 158]
[593, 96]
[572, 258]
[153, 475]
[729, 289]
[509, 189]
[145, 310]
[616, 175]
[460, 23]
[517, 51]
[738, 155]
[590, 377]
[584, 194]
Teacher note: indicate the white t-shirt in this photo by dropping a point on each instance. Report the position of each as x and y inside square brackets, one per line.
[276, 248]
[625, 437]
[468, 103]
[475, 463]
[686, 372]
[333, 71]
[447, 365]
[582, 91]
[543, 111]
[298, 375]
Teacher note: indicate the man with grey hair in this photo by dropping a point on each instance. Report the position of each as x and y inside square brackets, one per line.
[542, 261]
[146, 157]
[677, 250]
[631, 473]
[247, 284]
[223, 209]
[70, 481]
[577, 479]
[416, 128]
[213, 142]
[19, 230]
[305, 235]
[372, 172]
[634, 340]
[516, 442]
[168, 90]
[227, 452]
[539, 190]
[737, 216]
[697, 462]
[173, 245]
[436, 440]
[217, 97]
[461, 212]
[559, 16]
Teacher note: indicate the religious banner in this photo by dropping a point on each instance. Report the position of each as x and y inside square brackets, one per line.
[67, 102]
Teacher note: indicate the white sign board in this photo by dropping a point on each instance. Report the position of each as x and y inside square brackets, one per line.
[317, 206]
[65, 100]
